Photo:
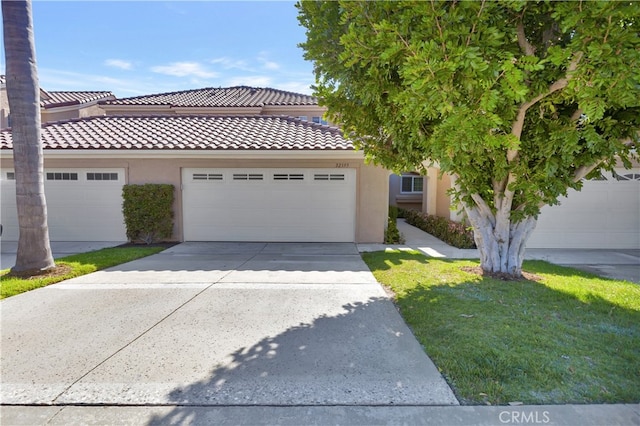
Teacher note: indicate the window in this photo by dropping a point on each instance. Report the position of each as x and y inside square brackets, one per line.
[207, 176]
[62, 176]
[11, 176]
[628, 176]
[288, 176]
[319, 120]
[102, 176]
[332, 176]
[412, 184]
[303, 118]
[247, 176]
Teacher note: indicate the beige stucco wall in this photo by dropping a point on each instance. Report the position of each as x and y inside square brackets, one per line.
[371, 181]
[443, 201]
[68, 113]
[4, 108]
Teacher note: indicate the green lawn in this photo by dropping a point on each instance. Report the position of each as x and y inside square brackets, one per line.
[79, 264]
[570, 337]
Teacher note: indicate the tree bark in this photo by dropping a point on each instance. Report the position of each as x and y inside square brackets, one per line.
[501, 242]
[23, 92]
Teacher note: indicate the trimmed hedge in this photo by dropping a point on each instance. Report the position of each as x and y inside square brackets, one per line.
[392, 233]
[148, 212]
[454, 233]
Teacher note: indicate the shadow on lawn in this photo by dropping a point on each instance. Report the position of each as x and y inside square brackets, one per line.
[538, 342]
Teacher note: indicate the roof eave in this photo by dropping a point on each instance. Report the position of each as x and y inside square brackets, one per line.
[318, 154]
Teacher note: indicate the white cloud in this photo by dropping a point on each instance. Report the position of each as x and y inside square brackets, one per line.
[253, 81]
[230, 63]
[119, 63]
[184, 69]
[53, 79]
[296, 87]
[268, 64]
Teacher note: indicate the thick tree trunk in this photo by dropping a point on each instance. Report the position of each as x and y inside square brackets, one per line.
[501, 242]
[23, 91]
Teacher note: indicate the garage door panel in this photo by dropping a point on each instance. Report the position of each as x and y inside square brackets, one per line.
[77, 210]
[293, 207]
[603, 215]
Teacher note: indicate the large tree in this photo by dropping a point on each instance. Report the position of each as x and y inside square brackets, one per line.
[23, 92]
[519, 100]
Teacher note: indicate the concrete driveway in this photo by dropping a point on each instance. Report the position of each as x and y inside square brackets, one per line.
[217, 324]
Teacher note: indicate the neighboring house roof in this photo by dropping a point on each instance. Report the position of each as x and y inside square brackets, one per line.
[240, 96]
[55, 99]
[58, 98]
[188, 133]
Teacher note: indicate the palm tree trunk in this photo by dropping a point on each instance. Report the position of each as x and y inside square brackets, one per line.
[23, 92]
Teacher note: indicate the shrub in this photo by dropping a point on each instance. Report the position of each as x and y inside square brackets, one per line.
[148, 212]
[453, 233]
[392, 234]
[393, 212]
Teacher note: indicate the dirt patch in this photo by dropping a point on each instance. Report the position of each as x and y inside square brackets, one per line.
[33, 274]
[500, 275]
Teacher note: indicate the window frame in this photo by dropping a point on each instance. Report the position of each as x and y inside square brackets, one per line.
[413, 184]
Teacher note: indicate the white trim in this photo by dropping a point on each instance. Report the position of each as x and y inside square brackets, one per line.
[209, 154]
[135, 109]
[73, 107]
[222, 111]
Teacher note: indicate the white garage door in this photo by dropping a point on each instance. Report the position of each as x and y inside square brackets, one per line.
[82, 205]
[604, 214]
[305, 205]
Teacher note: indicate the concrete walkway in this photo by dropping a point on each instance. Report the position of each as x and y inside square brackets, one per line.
[618, 264]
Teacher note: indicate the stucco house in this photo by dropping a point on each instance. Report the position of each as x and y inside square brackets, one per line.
[58, 105]
[248, 164]
[604, 214]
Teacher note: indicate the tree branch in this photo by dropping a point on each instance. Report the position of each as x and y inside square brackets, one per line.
[518, 124]
[581, 172]
[484, 208]
[526, 47]
[473, 28]
[576, 114]
[444, 46]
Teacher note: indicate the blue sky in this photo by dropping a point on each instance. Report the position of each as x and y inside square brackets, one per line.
[135, 48]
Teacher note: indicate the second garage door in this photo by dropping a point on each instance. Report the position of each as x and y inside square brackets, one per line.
[603, 215]
[305, 205]
[82, 204]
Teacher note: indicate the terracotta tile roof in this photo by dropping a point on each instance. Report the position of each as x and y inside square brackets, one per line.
[59, 98]
[240, 96]
[188, 133]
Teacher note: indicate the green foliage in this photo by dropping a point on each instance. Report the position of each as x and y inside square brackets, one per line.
[392, 234]
[567, 337]
[148, 212]
[393, 212]
[447, 82]
[453, 233]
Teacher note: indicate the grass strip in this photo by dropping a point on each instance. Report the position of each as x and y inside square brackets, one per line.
[566, 337]
[73, 266]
